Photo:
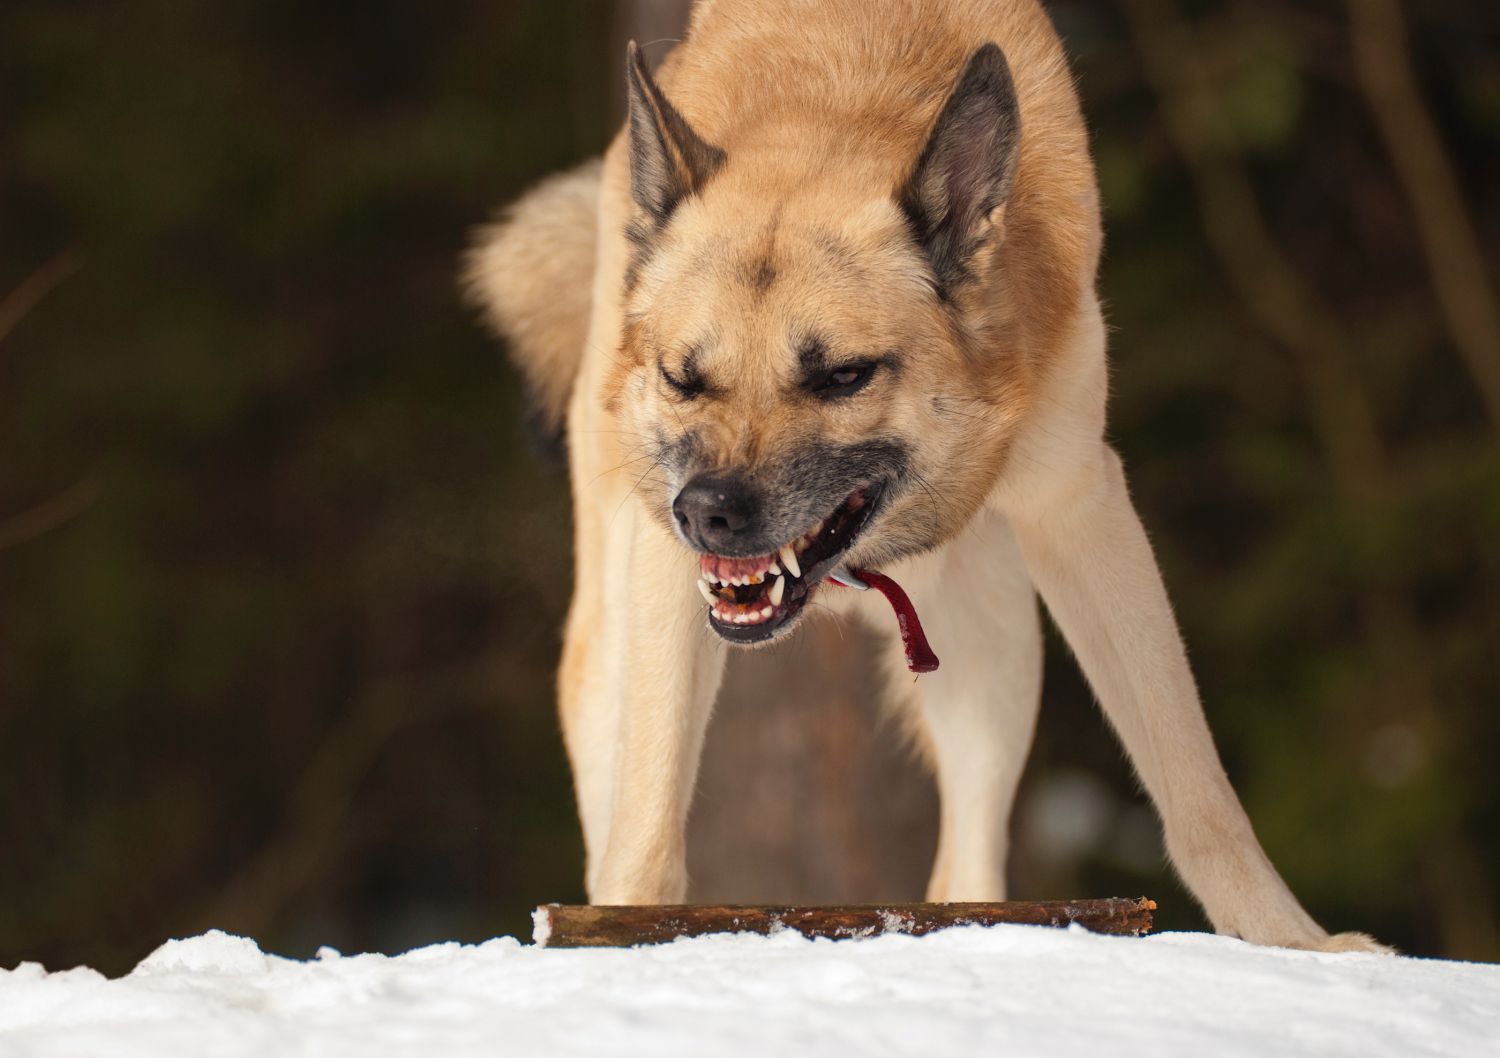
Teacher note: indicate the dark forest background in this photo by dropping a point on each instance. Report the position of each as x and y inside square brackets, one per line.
[280, 586]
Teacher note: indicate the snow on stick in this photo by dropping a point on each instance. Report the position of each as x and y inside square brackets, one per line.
[624, 926]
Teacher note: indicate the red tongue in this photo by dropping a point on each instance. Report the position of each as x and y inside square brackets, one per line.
[919, 656]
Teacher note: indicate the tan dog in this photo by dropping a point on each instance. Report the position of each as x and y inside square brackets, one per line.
[830, 303]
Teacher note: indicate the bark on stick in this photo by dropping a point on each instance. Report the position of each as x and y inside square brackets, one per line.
[623, 926]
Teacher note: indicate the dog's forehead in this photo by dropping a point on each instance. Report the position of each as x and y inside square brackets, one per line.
[759, 287]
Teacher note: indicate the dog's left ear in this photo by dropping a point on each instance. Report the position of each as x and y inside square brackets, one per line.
[668, 160]
[955, 196]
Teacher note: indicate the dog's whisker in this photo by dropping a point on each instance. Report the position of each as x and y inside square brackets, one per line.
[615, 469]
[633, 488]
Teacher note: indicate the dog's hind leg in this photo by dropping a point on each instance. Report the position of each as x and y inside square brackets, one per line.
[978, 710]
[658, 668]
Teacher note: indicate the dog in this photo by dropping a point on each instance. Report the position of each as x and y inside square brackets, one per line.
[827, 304]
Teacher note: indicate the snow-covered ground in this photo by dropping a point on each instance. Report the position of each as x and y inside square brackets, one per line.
[1005, 990]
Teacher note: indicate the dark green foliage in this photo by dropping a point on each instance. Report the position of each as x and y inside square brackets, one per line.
[309, 488]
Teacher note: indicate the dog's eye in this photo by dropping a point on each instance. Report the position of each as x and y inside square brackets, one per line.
[687, 385]
[844, 380]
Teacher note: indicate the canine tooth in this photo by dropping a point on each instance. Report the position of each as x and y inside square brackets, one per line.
[708, 594]
[789, 560]
[778, 590]
[765, 612]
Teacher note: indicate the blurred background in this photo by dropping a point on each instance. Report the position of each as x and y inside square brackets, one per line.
[281, 585]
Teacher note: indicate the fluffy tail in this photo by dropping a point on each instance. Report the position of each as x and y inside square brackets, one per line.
[532, 272]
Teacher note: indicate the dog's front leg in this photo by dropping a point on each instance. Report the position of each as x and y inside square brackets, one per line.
[979, 709]
[672, 667]
[1092, 563]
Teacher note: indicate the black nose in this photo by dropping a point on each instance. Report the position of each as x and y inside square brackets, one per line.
[715, 510]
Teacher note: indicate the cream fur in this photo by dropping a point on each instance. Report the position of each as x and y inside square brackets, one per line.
[1032, 494]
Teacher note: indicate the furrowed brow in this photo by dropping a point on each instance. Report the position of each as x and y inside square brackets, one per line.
[814, 361]
[812, 357]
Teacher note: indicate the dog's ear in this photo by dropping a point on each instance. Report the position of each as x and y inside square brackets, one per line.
[955, 196]
[668, 160]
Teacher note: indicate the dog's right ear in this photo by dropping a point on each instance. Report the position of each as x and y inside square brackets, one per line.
[954, 198]
[668, 160]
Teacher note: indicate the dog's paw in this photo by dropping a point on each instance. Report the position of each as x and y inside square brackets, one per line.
[1353, 942]
[1318, 941]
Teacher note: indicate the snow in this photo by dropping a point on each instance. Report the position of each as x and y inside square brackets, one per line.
[1020, 990]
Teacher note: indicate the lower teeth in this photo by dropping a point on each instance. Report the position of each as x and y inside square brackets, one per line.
[727, 610]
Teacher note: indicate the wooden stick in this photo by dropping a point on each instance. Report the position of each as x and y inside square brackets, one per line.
[623, 926]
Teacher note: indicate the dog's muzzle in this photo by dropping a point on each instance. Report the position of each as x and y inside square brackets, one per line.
[751, 597]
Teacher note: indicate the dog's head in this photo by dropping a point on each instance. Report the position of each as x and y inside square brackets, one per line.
[812, 371]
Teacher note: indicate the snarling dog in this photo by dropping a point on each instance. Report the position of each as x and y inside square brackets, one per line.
[828, 305]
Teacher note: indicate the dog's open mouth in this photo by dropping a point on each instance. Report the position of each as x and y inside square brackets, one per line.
[750, 598]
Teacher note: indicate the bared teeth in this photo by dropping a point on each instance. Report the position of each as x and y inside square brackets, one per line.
[728, 613]
[721, 574]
